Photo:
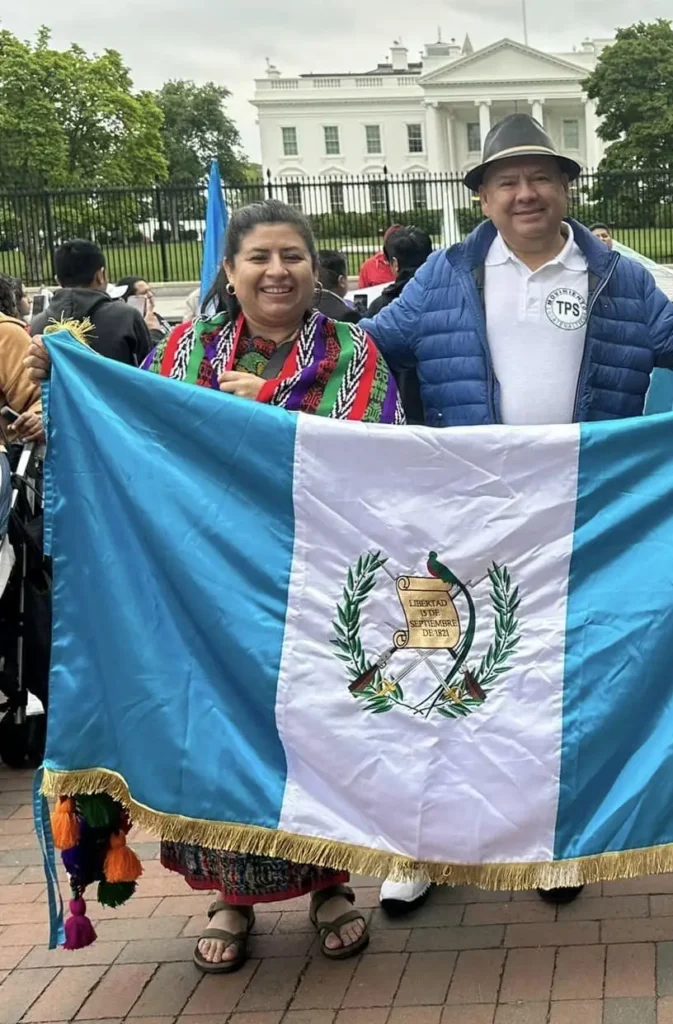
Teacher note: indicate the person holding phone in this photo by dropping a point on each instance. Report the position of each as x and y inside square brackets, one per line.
[139, 295]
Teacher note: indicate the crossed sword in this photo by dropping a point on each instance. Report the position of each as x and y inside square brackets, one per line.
[363, 681]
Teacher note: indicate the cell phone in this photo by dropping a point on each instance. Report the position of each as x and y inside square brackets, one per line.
[360, 302]
[39, 302]
[138, 302]
[9, 414]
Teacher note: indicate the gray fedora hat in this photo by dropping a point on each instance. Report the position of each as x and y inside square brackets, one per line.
[518, 135]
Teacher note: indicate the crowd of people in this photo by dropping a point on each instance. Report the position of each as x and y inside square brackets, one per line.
[505, 327]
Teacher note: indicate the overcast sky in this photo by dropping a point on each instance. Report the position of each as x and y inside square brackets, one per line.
[227, 41]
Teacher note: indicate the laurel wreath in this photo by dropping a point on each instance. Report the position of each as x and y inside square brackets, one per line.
[360, 582]
[381, 696]
[505, 601]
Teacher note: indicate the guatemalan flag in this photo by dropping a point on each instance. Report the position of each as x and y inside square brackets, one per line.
[370, 647]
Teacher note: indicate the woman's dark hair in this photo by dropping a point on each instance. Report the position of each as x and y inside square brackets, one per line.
[217, 294]
[245, 220]
[271, 211]
[130, 284]
[8, 301]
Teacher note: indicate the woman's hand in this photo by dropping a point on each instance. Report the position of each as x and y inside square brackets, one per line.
[245, 385]
[37, 361]
[29, 427]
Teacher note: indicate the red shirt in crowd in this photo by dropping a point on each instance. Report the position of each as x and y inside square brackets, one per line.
[375, 270]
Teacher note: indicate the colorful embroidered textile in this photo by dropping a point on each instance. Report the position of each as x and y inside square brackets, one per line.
[246, 879]
[333, 370]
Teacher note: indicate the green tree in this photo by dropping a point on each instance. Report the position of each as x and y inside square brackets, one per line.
[70, 120]
[633, 88]
[197, 130]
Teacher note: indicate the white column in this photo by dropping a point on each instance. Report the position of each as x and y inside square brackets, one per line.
[435, 133]
[538, 111]
[451, 143]
[484, 119]
[593, 143]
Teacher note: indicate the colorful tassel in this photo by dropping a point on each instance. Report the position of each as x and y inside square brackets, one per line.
[115, 894]
[64, 824]
[79, 931]
[121, 863]
[100, 811]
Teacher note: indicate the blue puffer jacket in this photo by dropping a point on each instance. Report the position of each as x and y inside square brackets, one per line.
[438, 326]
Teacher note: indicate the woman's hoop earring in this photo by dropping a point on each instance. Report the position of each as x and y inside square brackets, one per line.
[230, 289]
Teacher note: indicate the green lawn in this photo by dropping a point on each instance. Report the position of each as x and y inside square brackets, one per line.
[657, 243]
[183, 259]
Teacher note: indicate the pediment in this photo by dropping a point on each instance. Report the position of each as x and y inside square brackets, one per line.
[506, 61]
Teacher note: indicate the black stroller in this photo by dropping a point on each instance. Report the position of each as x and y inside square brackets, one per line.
[25, 616]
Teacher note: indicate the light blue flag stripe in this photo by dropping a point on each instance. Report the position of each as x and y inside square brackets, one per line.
[137, 625]
[617, 752]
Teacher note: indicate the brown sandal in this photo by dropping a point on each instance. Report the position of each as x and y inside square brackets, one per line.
[238, 939]
[325, 928]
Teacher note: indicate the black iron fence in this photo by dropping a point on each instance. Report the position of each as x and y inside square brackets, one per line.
[157, 233]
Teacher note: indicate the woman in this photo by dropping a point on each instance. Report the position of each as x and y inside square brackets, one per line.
[271, 346]
[138, 286]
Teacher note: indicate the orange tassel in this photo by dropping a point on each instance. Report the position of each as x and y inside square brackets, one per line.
[121, 863]
[64, 824]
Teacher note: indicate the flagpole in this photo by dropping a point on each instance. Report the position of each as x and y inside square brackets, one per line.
[524, 14]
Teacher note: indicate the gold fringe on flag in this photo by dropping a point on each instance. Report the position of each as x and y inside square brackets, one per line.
[252, 839]
[79, 329]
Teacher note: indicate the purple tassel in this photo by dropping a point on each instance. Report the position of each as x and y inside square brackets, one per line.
[79, 932]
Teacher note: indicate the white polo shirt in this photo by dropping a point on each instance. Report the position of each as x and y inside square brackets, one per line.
[536, 324]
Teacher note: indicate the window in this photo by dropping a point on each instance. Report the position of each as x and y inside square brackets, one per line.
[473, 137]
[294, 197]
[571, 134]
[373, 134]
[377, 196]
[290, 146]
[336, 197]
[419, 195]
[332, 147]
[415, 138]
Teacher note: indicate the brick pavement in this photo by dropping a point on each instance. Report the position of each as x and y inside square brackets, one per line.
[468, 957]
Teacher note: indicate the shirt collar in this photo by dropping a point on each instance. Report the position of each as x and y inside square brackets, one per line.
[570, 256]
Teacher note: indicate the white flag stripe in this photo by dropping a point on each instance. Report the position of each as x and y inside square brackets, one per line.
[465, 790]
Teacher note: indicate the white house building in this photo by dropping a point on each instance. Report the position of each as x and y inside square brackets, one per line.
[429, 116]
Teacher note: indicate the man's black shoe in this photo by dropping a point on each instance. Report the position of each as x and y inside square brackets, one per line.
[560, 896]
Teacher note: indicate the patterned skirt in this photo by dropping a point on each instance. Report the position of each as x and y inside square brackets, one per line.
[244, 879]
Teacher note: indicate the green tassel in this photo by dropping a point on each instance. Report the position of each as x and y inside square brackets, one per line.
[114, 894]
[100, 811]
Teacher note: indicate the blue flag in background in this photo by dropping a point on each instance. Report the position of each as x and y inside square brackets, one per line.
[216, 225]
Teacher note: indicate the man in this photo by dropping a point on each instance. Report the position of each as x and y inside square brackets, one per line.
[603, 232]
[333, 277]
[531, 319]
[408, 249]
[376, 270]
[119, 331]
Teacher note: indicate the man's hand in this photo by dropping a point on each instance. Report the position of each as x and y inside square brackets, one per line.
[37, 361]
[245, 385]
[29, 427]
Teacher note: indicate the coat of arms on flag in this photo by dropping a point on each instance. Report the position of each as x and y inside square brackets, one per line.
[433, 627]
